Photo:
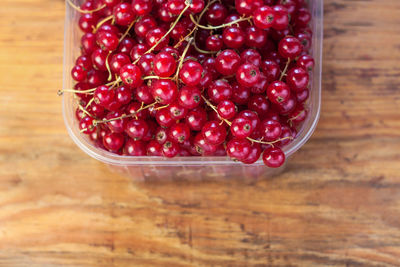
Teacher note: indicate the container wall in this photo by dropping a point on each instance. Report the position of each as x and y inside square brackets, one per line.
[193, 168]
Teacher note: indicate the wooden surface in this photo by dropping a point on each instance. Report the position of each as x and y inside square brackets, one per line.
[338, 204]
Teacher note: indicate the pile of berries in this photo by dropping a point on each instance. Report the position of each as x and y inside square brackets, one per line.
[193, 77]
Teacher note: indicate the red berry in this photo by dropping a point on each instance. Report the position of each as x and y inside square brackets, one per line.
[241, 127]
[123, 14]
[131, 75]
[226, 109]
[189, 97]
[273, 157]
[113, 141]
[238, 148]
[191, 73]
[297, 79]
[164, 91]
[214, 133]
[219, 90]
[164, 64]
[247, 75]
[290, 47]
[278, 92]
[135, 148]
[179, 133]
[227, 62]
[264, 17]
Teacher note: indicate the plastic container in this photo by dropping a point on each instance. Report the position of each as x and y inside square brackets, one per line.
[187, 168]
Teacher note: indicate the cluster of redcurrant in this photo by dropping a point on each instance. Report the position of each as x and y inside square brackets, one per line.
[193, 77]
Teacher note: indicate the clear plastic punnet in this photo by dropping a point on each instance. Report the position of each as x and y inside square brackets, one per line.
[187, 168]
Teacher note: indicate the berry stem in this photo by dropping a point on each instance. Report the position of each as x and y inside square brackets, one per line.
[108, 68]
[285, 70]
[127, 30]
[182, 58]
[85, 111]
[96, 122]
[89, 103]
[102, 22]
[168, 32]
[196, 27]
[84, 11]
[203, 51]
[88, 92]
[248, 138]
[219, 26]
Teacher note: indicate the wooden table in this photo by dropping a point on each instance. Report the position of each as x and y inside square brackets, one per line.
[338, 204]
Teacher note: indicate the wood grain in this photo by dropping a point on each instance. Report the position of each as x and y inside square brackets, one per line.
[338, 204]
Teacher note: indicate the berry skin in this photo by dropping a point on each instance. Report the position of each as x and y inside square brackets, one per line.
[302, 17]
[177, 111]
[302, 96]
[219, 91]
[164, 64]
[254, 155]
[306, 62]
[164, 91]
[202, 147]
[251, 56]
[137, 51]
[270, 69]
[107, 40]
[189, 97]
[78, 73]
[297, 79]
[226, 109]
[123, 14]
[285, 108]
[241, 94]
[154, 149]
[135, 148]
[278, 92]
[123, 95]
[146, 64]
[238, 148]
[241, 127]
[99, 58]
[179, 133]
[214, 133]
[164, 118]
[103, 95]
[196, 118]
[154, 36]
[247, 75]
[273, 157]
[255, 37]
[142, 94]
[113, 141]
[86, 125]
[126, 45]
[87, 22]
[216, 14]
[252, 116]
[131, 75]
[137, 129]
[281, 18]
[191, 73]
[290, 47]
[246, 7]
[118, 61]
[214, 43]
[176, 6]
[170, 149]
[233, 37]
[270, 130]
[142, 7]
[259, 104]
[264, 17]
[227, 62]
[144, 25]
